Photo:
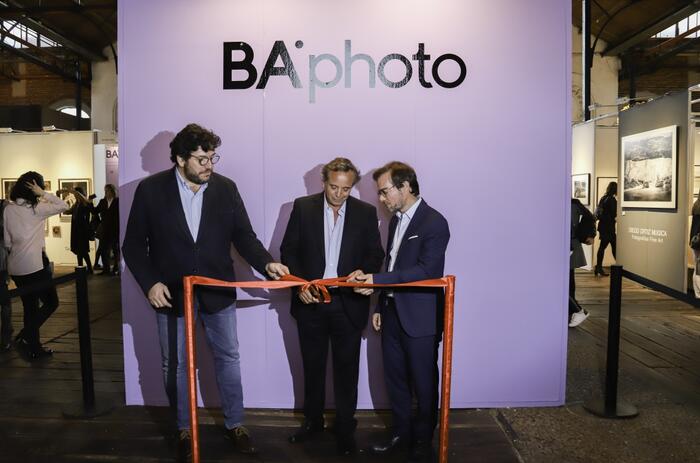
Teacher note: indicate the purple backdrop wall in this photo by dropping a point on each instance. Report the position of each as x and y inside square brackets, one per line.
[493, 155]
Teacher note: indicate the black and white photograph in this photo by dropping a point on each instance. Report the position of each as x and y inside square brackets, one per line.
[649, 169]
[63, 184]
[581, 188]
[7, 184]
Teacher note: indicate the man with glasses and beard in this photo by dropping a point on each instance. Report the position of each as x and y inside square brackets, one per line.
[183, 222]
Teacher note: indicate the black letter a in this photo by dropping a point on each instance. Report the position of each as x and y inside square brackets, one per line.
[246, 65]
[279, 49]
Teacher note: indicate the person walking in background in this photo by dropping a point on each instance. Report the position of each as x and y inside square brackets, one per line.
[5, 305]
[81, 232]
[695, 244]
[606, 213]
[108, 230]
[582, 231]
[27, 262]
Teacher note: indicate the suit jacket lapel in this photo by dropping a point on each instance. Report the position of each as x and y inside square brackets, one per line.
[412, 225]
[317, 227]
[348, 223]
[390, 239]
[175, 204]
[207, 207]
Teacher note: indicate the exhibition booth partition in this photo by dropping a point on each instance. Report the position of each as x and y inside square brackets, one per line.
[657, 186]
[288, 87]
[65, 159]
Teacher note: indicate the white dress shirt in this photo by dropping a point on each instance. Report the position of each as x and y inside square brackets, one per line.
[24, 232]
[191, 204]
[401, 226]
[332, 237]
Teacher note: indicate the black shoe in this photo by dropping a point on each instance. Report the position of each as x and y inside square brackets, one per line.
[345, 445]
[5, 346]
[422, 451]
[40, 353]
[184, 446]
[241, 440]
[389, 446]
[599, 271]
[305, 432]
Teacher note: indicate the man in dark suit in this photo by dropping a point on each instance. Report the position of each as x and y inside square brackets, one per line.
[183, 222]
[410, 319]
[331, 234]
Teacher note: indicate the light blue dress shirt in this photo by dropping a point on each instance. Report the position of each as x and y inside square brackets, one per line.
[191, 203]
[332, 237]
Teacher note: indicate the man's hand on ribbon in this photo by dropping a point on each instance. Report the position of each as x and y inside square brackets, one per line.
[276, 270]
[309, 296]
[358, 276]
[159, 296]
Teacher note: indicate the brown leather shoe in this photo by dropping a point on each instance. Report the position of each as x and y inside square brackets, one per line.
[240, 437]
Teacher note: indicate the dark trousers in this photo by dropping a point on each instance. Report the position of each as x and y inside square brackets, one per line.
[604, 241]
[410, 367]
[85, 256]
[103, 252]
[317, 326]
[5, 309]
[574, 306]
[34, 314]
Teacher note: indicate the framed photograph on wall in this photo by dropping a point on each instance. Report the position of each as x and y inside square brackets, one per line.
[649, 165]
[7, 184]
[602, 185]
[581, 188]
[63, 184]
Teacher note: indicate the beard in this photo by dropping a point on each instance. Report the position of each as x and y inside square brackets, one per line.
[193, 177]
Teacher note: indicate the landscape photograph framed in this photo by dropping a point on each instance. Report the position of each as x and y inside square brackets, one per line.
[649, 165]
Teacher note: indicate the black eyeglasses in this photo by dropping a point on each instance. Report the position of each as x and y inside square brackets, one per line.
[204, 160]
[384, 191]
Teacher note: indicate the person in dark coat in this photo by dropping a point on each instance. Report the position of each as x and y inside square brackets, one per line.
[80, 230]
[694, 230]
[108, 230]
[577, 258]
[606, 226]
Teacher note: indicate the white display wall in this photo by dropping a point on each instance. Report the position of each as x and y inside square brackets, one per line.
[583, 162]
[55, 155]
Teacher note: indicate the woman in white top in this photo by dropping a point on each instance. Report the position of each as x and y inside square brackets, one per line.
[27, 263]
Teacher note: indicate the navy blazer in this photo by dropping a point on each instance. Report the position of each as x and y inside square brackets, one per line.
[303, 250]
[158, 245]
[421, 256]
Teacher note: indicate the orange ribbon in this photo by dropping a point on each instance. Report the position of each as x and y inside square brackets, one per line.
[321, 286]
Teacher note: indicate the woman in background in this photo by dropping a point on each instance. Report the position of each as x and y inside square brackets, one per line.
[695, 230]
[27, 262]
[607, 218]
[81, 231]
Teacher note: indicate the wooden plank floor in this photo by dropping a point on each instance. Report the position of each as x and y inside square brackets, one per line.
[34, 397]
[659, 332]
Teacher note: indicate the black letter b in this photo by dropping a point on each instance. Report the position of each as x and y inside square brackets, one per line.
[246, 65]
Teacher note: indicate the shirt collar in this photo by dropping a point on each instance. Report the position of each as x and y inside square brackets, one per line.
[412, 210]
[327, 207]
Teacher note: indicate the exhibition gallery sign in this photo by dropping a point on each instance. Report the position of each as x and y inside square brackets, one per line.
[235, 64]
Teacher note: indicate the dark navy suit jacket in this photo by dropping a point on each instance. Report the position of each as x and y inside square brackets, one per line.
[421, 256]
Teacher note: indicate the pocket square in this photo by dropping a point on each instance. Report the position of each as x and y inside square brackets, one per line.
[411, 237]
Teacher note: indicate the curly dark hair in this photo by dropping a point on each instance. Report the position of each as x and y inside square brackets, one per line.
[400, 172]
[190, 139]
[21, 190]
